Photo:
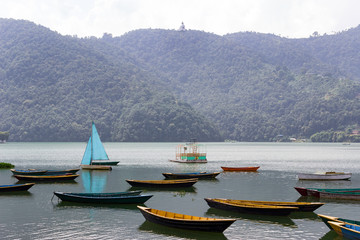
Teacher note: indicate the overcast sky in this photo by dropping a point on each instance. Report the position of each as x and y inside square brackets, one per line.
[287, 18]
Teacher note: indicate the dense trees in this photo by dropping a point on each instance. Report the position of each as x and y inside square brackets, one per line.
[165, 85]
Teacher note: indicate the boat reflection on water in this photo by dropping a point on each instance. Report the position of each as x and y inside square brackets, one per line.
[331, 235]
[180, 233]
[126, 207]
[16, 193]
[279, 220]
[94, 181]
[304, 215]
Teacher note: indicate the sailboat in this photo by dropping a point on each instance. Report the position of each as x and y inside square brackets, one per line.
[95, 156]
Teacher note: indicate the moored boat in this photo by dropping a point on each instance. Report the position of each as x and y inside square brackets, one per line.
[47, 177]
[250, 207]
[43, 172]
[241, 169]
[16, 187]
[315, 192]
[183, 221]
[327, 176]
[191, 152]
[104, 198]
[199, 175]
[302, 206]
[95, 156]
[326, 219]
[163, 183]
[347, 230]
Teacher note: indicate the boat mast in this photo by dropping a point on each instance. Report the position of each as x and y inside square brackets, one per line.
[92, 143]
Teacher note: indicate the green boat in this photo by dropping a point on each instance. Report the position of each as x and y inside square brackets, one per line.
[104, 198]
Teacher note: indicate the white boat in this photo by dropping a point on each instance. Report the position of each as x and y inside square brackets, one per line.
[325, 176]
[95, 152]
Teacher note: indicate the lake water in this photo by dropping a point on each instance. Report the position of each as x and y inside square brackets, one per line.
[35, 215]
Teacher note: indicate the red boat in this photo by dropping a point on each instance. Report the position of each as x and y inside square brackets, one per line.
[241, 169]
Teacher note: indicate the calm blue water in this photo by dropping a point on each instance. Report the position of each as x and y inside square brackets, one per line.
[35, 215]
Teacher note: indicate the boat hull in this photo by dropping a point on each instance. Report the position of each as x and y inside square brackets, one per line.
[340, 195]
[252, 208]
[35, 172]
[16, 187]
[47, 178]
[210, 225]
[162, 183]
[325, 176]
[347, 230]
[240, 169]
[95, 167]
[315, 192]
[107, 198]
[107, 163]
[190, 175]
[188, 161]
[302, 206]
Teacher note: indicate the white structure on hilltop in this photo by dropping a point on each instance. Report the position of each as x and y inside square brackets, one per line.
[182, 27]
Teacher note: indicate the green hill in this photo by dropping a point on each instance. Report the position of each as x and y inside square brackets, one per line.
[53, 86]
[166, 85]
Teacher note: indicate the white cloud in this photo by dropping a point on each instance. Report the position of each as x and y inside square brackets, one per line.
[292, 18]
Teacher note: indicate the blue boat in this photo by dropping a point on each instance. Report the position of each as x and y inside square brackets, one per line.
[347, 230]
[37, 172]
[95, 156]
[199, 175]
[326, 219]
[104, 198]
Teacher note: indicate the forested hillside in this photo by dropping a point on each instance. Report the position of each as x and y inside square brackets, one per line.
[53, 86]
[166, 85]
[257, 86]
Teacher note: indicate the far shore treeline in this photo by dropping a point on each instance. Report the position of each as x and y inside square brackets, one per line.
[155, 85]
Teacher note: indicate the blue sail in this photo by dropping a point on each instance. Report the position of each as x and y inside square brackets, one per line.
[87, 154]
[98, 151]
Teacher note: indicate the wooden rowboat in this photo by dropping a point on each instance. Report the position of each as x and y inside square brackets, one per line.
[178, 220]
[47, 177]
[16, 187]
[43, 172]
[224, 204]
[347, 230]
[163, 183]
[315, 192]
[95, 167]
[199, 175]
[241, 169]
[327, 176]
[104, 198]
[326, 219]
[302, 206]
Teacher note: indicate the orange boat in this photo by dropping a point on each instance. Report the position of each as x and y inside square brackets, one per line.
[241, 169]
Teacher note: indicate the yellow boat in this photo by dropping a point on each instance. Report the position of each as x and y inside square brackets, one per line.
[303, 206]
[178, 220]
[224, 204]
